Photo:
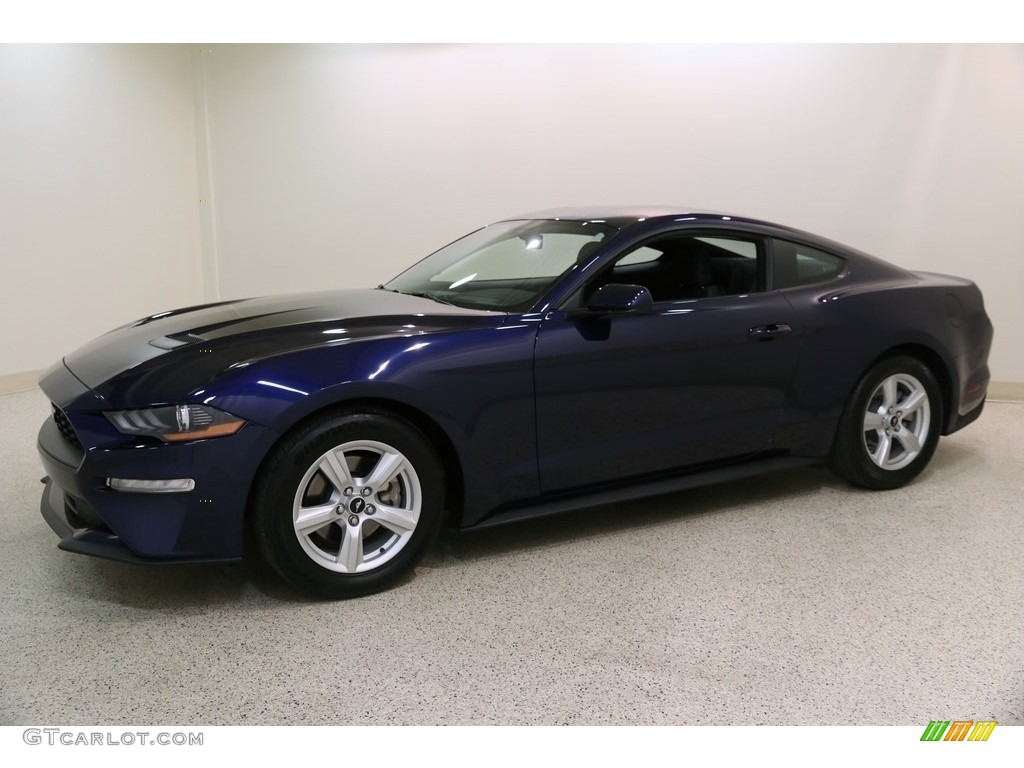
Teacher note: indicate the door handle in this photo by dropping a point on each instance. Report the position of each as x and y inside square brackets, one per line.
[768, 332]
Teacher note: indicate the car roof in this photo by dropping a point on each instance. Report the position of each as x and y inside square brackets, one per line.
[615, 214]
[621, 216]
[625, 216]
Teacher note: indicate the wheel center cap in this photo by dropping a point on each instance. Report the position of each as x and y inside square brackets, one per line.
[357, 505]
[895, 422]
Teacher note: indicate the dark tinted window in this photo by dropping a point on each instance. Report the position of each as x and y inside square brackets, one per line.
[682, 267]
[795, 264]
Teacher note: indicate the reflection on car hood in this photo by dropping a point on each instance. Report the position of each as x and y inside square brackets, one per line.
[210, 337]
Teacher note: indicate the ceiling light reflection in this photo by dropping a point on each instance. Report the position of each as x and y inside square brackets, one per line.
[466, 279]
[281, 386]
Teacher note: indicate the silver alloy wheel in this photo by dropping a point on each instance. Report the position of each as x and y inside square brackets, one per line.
[897, 421]
[357, 506]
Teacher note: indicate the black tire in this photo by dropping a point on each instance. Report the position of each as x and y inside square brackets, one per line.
[881, 443]
[375, 514]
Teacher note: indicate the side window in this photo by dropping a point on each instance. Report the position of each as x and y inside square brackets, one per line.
[639, 255]
[794, 264]
[692, 266]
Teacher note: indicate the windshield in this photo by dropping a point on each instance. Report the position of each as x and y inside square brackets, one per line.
[507, 266]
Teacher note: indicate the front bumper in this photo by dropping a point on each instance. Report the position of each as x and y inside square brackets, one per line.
[201, 525]
[97, 541]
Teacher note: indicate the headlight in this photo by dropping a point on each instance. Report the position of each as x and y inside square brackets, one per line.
[175, 423]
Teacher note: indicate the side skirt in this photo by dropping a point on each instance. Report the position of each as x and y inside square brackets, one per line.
[543, 507]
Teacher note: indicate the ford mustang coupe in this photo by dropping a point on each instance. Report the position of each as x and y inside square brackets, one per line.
[548, 362]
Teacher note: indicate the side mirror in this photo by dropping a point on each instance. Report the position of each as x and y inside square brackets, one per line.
[616, 298]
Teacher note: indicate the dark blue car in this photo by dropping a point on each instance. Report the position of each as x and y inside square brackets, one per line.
[547, 362]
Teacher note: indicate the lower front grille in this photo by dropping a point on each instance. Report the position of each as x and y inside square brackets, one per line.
[66, 430]
[81, 514]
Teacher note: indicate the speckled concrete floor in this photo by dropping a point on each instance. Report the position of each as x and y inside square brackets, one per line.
[791, 599]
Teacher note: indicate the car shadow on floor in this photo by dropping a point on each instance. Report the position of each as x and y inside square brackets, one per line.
[455, 547]
[951, 460]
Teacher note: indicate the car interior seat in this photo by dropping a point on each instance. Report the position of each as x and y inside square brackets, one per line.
[736, 275]
[692, 275]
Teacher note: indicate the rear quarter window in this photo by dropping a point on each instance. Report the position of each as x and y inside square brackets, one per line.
[795, 264]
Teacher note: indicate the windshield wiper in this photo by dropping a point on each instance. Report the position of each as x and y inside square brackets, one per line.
[421, 295]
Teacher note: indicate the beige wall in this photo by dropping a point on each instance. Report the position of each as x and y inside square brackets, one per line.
[98, 221]
[340, 165]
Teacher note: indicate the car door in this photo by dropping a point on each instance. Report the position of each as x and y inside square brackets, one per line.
[701, 378]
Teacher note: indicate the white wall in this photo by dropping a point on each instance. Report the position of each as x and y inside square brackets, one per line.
[98, 219]
[339, 165]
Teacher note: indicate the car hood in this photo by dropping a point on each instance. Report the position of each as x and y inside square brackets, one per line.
[207, 339]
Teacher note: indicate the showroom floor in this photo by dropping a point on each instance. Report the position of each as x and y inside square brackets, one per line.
[791, 599]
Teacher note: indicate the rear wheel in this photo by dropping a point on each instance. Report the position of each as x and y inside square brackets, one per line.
[890, 427]
[349, 504]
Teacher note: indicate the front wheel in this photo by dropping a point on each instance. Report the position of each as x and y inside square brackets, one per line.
[348, 504]
[890, 427]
